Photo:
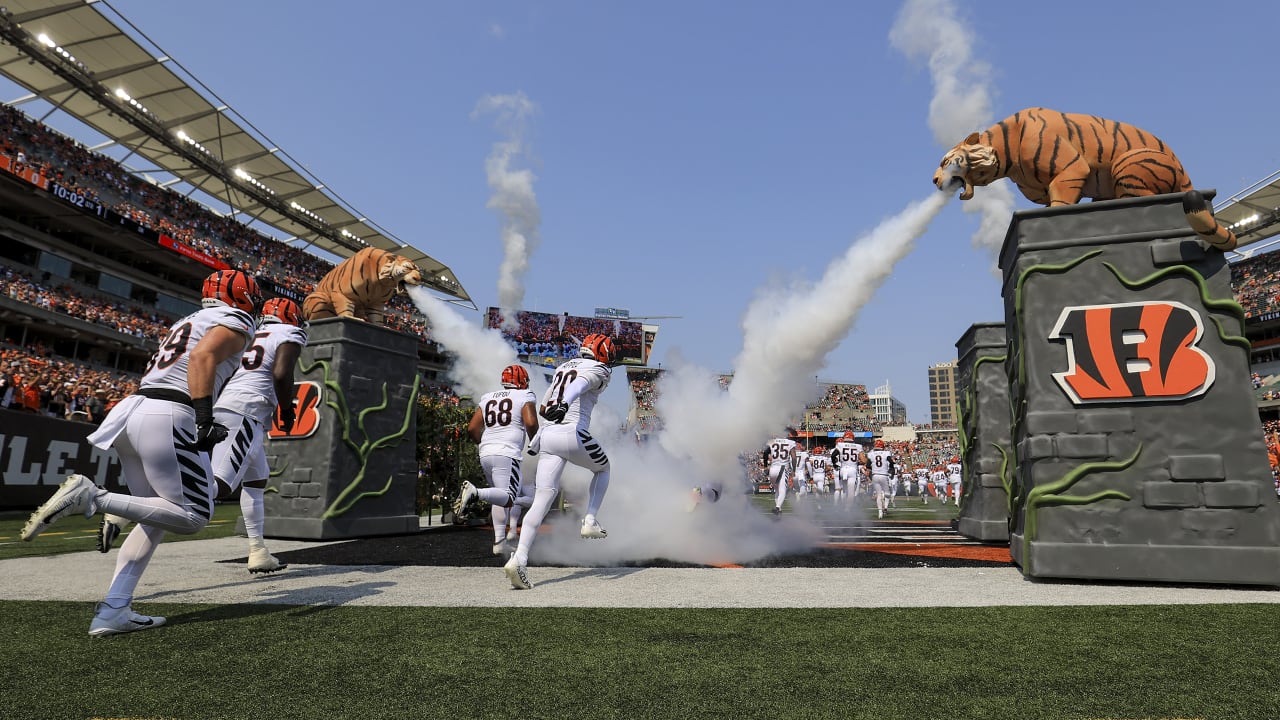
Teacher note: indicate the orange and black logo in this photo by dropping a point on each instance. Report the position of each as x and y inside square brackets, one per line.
[306, 396]
[1127, 352]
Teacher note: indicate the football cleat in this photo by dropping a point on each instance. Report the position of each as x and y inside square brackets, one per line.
[261, 561]
[116, 621]
[108, 530]
[517, 574]
[465, 497]
[501, 548]
[591, 529]
[75, 495]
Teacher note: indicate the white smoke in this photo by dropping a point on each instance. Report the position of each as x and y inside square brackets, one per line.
[788, 332]
[512, 196]
[481, 353]
[787, 335]
[931, 30]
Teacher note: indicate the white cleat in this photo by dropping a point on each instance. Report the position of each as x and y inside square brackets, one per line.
[465, 497]
[75, 495]
[109, 530]
[591, 529]
[502, 548]
[261, 561]
[117, 621]
[517, 574]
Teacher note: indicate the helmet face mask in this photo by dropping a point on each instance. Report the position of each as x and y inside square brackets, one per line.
[282, 310]
[232, 288]
[598, 347]
[515, 377]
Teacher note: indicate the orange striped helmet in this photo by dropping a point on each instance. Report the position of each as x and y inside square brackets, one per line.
[232, 288]
[879, 444]
[284, 310]
[515, 377]
[598, 347]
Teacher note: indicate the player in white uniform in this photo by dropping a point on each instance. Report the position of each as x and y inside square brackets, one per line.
[803, 476]
[880, 468]
[246, 407]
[819, 463]
[503, 420]
[922, 483]
[894, 481]
[782, 466]
[163, 434]
[850, 455]
[954, 471]
[938, 478]
[567, 405]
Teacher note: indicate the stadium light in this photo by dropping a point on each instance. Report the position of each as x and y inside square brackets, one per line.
[44, 40]
[253, 181]
[306, 212]
[190, 141]
[353, 237]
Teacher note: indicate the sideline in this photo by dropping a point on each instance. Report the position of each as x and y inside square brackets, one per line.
[195, 572]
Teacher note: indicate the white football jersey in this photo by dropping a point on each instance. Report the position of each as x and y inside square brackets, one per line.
[167, 368]
[881, 462]
[938, 477]
[848, 452]
[954, 470]
[504, 428]
[252, 390]
[579, 415]
[819, 464]
[780, 450]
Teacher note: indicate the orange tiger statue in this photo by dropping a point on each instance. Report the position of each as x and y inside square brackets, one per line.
[361, 285]
[1057, 158]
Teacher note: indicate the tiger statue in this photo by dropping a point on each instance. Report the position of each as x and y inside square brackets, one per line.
[1057, 158]
[360, 286]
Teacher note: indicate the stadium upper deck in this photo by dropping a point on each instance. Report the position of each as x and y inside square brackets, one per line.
[88, 62]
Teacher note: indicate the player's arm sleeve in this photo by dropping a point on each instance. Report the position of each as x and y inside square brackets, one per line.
[575, 389]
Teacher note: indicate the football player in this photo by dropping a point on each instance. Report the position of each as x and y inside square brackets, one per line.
[503, 420]
[163, 434]
[566, 438]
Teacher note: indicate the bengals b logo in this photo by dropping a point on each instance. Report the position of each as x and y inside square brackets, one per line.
[307, 401]
[1132, 351]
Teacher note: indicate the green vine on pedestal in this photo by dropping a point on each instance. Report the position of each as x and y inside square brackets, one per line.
[1047, 495]
[1017, 354]
[362, 450]
[1213, 304]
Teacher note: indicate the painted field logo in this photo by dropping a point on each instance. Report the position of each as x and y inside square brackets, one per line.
[1127, 352]
[307, 401]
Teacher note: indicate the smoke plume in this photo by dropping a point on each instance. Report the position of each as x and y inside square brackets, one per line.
[480, 353]
[931, 31]
[512, 197]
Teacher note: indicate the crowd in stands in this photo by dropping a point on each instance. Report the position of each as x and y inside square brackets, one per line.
[62, 298]
[33, 380]
[102, 179]
[1256, 282]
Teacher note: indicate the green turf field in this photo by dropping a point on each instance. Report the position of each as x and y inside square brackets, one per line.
[74, 534]
[283, 662]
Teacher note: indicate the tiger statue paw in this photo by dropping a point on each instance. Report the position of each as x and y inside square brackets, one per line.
[360, 286]
[1058, 158]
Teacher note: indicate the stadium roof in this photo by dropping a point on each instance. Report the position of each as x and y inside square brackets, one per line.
[75, 57]
[1253, 214]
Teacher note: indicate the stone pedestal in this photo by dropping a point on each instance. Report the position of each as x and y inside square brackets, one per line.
[984, 421]
[351, 470]
[1140, 455]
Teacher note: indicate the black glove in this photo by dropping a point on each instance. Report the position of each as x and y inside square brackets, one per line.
[556, 412]
[288, 416]
[208, 432]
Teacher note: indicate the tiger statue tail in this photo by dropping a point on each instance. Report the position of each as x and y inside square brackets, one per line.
[1200, 218]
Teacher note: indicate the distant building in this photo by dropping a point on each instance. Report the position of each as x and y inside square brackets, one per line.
[942, 394]
[888, 409]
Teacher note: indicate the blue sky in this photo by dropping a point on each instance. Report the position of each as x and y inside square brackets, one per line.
[686, 155]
